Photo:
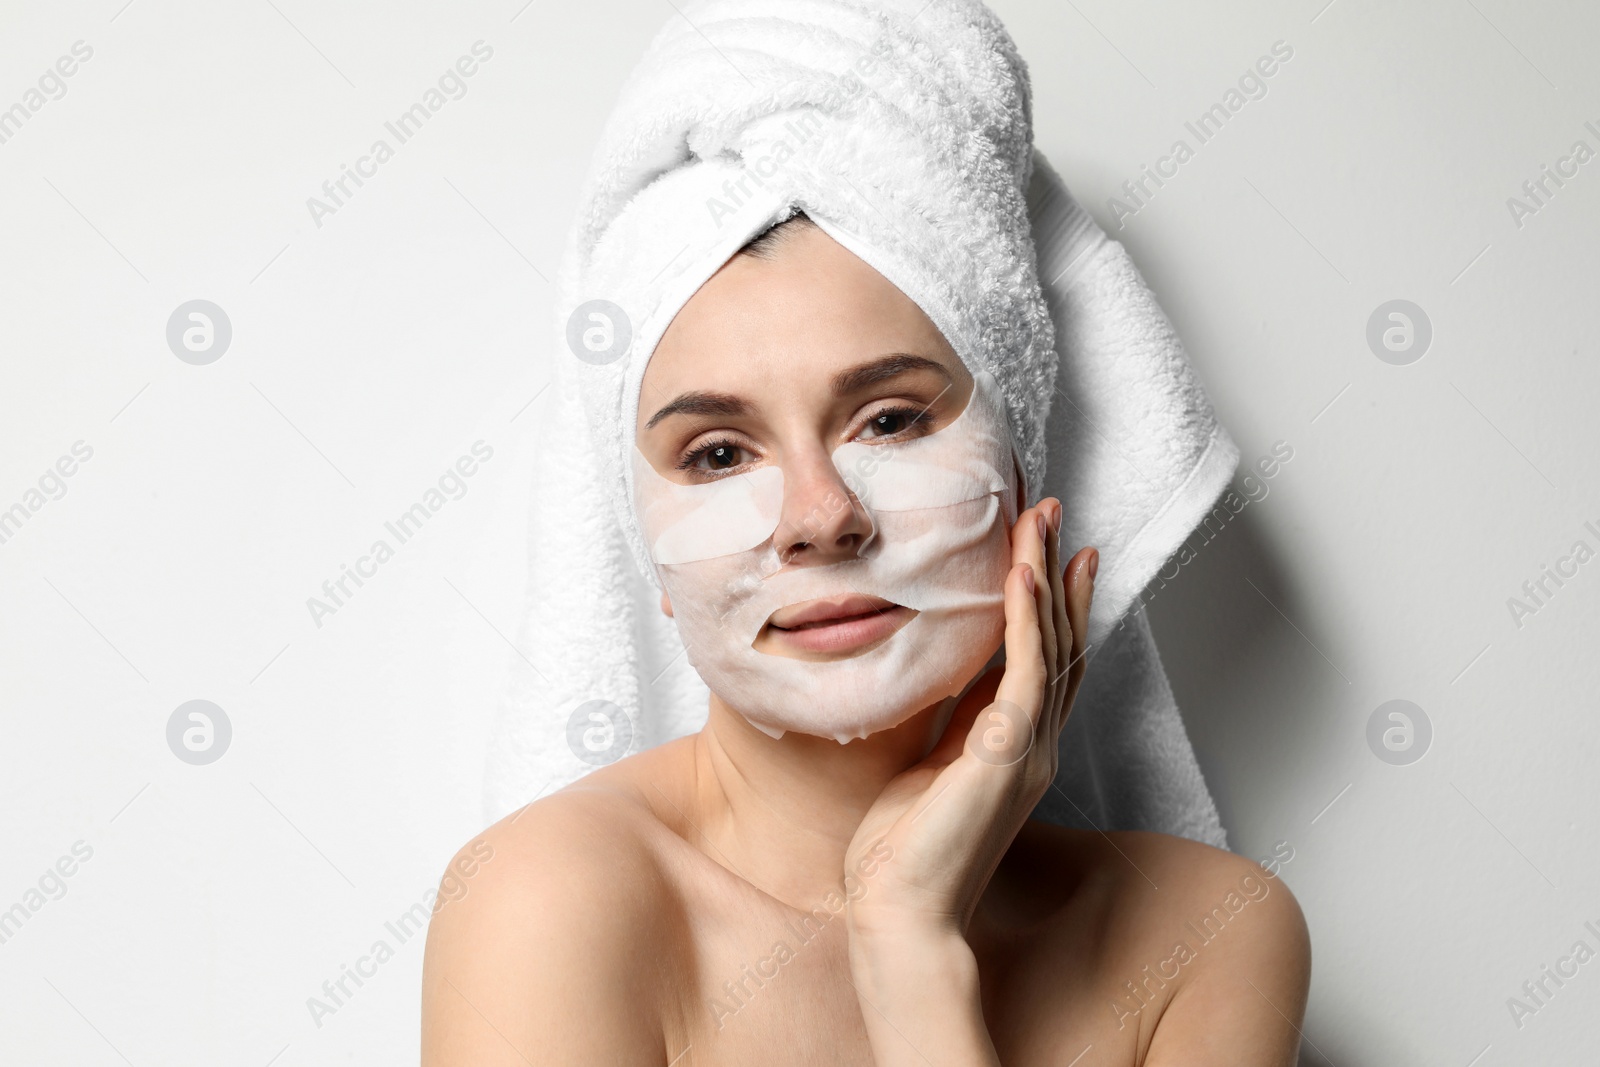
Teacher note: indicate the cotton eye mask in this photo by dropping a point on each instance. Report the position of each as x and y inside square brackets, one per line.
[941, 508]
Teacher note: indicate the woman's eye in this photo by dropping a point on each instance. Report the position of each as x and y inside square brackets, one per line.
[721, 457]
[715, 457]
[892, 422]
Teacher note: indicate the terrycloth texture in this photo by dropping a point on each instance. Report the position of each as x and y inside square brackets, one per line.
[1134, 450]
[1138, 459]
[904, 130]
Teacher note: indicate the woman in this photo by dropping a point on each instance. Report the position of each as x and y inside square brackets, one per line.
[839, 866]
[618, 912]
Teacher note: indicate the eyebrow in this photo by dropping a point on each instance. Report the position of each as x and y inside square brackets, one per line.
[726, 405]
[881, 370]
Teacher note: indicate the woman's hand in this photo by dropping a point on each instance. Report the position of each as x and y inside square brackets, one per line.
[948, 820]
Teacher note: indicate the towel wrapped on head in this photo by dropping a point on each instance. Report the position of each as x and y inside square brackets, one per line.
[904, 131]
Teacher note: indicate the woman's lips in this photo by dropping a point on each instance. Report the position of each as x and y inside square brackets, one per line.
[834, 627]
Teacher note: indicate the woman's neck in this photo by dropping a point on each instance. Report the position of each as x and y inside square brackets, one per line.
[781, 812]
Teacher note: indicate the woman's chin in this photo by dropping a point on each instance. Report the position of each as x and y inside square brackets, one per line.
[931, 705]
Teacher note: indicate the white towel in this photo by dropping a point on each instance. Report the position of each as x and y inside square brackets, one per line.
[904, 130]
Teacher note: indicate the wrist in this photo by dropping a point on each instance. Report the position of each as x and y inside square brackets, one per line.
[918, 988]
[901, 952]
[880, 920]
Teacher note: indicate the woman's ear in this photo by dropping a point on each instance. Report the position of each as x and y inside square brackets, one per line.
[666, 605]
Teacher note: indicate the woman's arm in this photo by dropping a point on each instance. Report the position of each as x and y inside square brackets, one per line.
[918, 991]
[949, 820]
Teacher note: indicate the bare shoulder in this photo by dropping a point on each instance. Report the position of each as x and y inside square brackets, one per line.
[1242, 955]
[1228, 901]
[1199, 955]
[534, 948]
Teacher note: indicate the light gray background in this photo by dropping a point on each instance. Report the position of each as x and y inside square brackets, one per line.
[372, 351]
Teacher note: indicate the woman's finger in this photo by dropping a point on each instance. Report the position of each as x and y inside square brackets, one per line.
[1023, 683]
[1064, 629]
[1081, 597]
[1045, 593]
[1031, 647]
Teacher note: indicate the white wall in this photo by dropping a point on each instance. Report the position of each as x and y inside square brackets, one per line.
[1379, 565]
[372, 351]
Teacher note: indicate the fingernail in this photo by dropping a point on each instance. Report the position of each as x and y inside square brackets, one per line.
[1094, 563]
[1039, 518]
[1056, 520]
[1027, 577]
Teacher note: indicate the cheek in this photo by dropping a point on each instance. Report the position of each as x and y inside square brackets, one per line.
[950, 564]
[955, 578]
[991, 563]
[710, 599]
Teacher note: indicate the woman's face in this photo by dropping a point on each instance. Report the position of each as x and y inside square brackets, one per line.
[778, 361]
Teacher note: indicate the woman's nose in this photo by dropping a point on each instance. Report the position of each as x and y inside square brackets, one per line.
[822, 520]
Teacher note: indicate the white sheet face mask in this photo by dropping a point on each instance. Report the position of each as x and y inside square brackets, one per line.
[941, 508]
